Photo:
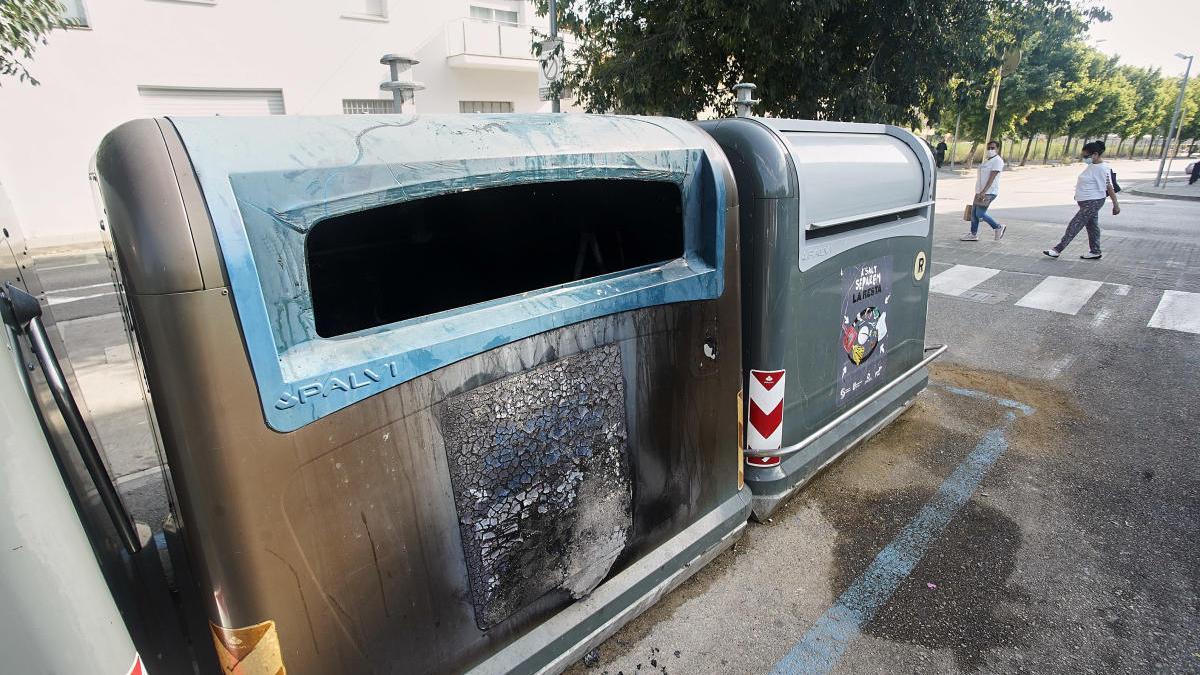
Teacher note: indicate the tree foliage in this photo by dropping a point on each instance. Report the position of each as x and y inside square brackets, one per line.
[830, 59]
[872, 60]
[24, 25]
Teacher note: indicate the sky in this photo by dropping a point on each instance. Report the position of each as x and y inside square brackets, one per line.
[1149, 32]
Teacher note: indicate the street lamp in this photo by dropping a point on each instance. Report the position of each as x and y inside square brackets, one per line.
[1158, 180]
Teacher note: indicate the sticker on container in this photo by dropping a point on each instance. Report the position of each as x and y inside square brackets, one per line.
[252, 650]
[765, 431]
[138, 668]
[919, 266]
[866, 294]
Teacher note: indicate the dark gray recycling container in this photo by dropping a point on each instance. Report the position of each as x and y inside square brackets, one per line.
[437, 393]
[836, 231]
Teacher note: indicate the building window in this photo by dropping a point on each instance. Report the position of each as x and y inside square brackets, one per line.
[485, 106]
[367, 106]
[74, 14]
[162, 101]
[493, 14]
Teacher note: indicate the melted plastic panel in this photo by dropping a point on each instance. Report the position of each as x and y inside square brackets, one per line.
[541, 475]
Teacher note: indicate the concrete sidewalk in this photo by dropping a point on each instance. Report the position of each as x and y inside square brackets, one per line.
[1176, 189]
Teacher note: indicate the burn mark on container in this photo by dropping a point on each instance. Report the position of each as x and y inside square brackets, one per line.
[541, 477]
[375, 559]
[300, 591]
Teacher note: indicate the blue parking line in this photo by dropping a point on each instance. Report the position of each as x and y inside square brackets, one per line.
[821, 647]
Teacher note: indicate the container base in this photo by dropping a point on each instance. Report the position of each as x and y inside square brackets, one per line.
[564, 638]
[773, 486]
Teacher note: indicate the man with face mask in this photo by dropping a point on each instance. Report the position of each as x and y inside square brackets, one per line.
[1095, 184]
[987, 186]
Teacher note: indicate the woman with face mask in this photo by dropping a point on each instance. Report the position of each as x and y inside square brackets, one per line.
[1093, 186]
[987, 186]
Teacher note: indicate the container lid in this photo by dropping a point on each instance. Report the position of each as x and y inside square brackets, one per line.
[267, 181]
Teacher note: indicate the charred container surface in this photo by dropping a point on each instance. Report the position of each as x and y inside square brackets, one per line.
[836, 232]
[437, 393]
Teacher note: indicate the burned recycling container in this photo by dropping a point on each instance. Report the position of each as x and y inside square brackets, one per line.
[436, 393]
[837, 229]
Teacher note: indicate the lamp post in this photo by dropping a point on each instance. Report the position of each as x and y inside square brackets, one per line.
[401, 84]
[1162, 163]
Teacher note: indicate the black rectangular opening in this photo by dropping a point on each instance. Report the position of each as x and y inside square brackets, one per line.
[420, 257]
[863, 222]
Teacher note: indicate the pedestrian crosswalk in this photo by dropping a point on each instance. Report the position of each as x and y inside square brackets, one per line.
[1176, 310]
[1064, 295]
[959, 279]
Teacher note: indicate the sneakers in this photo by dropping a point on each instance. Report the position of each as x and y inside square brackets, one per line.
[1091, 256]
[1051, 252]
[970, 236]
[999, 232]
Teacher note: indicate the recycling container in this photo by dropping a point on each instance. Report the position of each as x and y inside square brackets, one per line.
[837, 228]
[57, 612]
[436, 393]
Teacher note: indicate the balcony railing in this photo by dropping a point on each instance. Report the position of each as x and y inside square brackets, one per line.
[479, 43]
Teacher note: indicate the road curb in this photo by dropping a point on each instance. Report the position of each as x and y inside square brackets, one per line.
[1143, 193]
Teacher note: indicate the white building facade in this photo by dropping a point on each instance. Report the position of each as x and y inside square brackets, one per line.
[141, 58]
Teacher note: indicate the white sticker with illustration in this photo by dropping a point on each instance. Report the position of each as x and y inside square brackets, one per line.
[866, 293]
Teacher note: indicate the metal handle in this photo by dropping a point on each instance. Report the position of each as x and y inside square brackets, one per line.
[27, 313]
[937, 350]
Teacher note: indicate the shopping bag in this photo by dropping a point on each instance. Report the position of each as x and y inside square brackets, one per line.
[967, 211]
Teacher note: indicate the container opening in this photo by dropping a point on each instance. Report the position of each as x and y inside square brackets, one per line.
[416, 258]
[864, 222]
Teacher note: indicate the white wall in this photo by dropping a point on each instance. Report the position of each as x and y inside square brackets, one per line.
[308, 50]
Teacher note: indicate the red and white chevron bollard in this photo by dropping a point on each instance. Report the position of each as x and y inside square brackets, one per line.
[766, 415]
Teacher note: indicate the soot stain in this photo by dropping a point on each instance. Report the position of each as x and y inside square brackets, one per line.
[541, 476]
[968, 565]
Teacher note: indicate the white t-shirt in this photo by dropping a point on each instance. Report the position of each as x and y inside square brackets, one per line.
[1093, 182]
[985, 170]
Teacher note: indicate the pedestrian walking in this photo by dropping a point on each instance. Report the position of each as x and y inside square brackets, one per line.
[1092, 187]
[1193, 170]
[987, 187]
[939, 152]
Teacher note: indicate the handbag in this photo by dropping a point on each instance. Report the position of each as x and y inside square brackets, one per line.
[1116, 186]
[968, 211]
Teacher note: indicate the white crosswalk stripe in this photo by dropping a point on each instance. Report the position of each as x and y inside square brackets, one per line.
[1179, 311]
[1064, 295]
[960, 278]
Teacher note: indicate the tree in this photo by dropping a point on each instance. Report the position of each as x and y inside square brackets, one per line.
[1112, 95]
[881, 60]
[24, 25]
[1147, 104]
[1190, 117]
[1047, 34]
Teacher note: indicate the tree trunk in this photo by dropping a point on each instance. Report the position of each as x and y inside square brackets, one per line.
[1133, 148]
[1119, 146]
[971, 153]
[1067, 147]
[1028, 145]
[1046, 152]
[1150, 147]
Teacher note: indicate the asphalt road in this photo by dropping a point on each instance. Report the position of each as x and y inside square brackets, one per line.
[1074, 546]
